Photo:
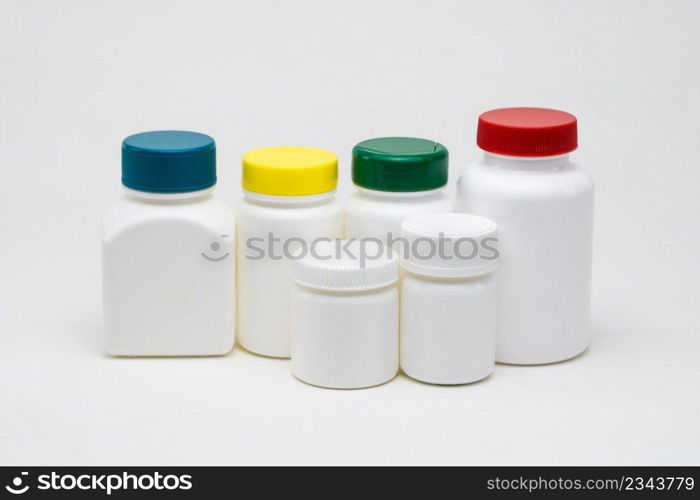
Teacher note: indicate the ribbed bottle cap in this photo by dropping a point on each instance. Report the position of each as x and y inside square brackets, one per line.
[168, 161]
[346, 265]
[399, 164]
[527, 132]
[449, 245]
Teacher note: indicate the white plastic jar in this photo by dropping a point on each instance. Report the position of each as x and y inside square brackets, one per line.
[345, 315]
[543, 205]
[448, 298]
[168, 252]
[396, 177]
[289, 200]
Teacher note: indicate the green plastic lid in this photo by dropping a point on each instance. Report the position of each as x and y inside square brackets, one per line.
[400, 164]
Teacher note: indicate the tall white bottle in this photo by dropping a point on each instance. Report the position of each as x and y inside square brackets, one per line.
[542, 203]
[288, 201]
[168, 251]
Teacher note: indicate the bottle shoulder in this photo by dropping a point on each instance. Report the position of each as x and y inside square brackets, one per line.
[480, 179]
[361, 203]
[416, 283]
[127, 213]
[390, 292]
[248, 208]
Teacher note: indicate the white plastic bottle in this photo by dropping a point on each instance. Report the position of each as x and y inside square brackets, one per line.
[168, 252]
[289, 200]
[345, 315]
[543, 206]
[448, 298]
[396, 177]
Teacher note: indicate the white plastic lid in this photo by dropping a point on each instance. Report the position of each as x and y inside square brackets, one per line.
[346, 265]
[449, 245]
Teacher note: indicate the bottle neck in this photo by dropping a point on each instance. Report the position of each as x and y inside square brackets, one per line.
[166, 198]
[527, 163]
[447, 279]
[345, 293]
[396, 195]
[288, 201]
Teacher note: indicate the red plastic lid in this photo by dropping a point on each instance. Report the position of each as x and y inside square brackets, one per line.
[527, 132]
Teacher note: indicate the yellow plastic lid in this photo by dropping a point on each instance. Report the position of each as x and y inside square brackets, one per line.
[290, 171]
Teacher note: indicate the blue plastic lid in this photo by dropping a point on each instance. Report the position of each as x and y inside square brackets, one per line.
[168, 161]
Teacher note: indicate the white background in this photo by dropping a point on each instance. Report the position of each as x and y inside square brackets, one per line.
[78, 76]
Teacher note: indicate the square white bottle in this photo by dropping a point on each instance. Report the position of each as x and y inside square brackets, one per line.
[168, 251]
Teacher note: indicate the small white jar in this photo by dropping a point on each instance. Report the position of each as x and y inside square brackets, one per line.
[543, 205]
[289, 200]
[345, 315]
[395, 177]
[448, 298]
